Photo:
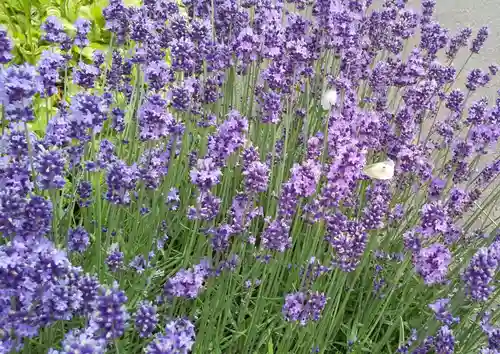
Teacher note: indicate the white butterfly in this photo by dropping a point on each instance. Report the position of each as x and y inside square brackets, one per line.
[380, 170]
[329, 99]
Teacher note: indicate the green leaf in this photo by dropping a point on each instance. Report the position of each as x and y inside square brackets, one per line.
[270, 346]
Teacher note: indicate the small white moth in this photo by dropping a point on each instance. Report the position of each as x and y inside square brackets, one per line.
[329, 99]
[380, 170]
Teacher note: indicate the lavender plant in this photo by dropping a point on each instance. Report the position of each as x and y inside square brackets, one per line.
[250, 177]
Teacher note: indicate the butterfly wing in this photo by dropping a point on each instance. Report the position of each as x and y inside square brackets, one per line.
[380, 170]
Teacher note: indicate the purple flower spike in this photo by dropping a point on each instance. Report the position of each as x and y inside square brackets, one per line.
[480, 273]
[444, 341]
[53, 31]
[77, 341]
[78, 239]
[478, 42]
[146, 319]
[187, 283]
[82, 30]
[6, 46]
[304, 307]
[179, 338]
[432, 263]
[114, 261]
[442, 313]
[110, 317]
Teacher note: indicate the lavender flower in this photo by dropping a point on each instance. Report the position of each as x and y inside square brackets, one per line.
[477, 78]
[53, 31]
[276, 236]
[154, 120]
[205, 175]
[117, 21]
[158, 75]
[50, 168]
[187, 283]
[5, 46]
[478, 42]
[442, 313]
[78, 239]
[114, 261]
[78, 341]
[457, 42]
[18, 85]
[139, 264]
[479, 274]
[179, 338]
[432, 263]
[86, 75]
[146, 319]
[377, 209]
[48, 67]
[434, 219]
[444, 341]
[121, 180]
[87, 112]
[110, 316]
[348, 239]
[230, 136]
[89, 286]
[304, 307]
[82, 30]
[40, 279]
[207, 207]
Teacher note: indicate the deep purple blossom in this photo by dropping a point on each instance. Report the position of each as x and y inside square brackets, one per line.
[40, 279]
[179, 338]
[256, 173]
[348, 239]
[378, 204]
[206, 174]
[442, 311]
[87, 112]
[305, 177]
[117, 19]
[115, 257]
[304, 307]
[457, 42]
[48, 67]
[50, 167]
[444, 341]
[434, 219]
[230, 136]
[480, 273]
[78, 341]
[477, 78]
[154, 119]
[187, 283]
[478, 42]
[158, 75]
[271, 107]
[276, 236]
[85, 75]
[110, 317]
[121, 179]
[207, 207]
[146, 319]
[432, 263]
[78, 239]
[5, 46]
[82, 30]
[89, 286]
[118, 119]
[53, 31]
[18, 85]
